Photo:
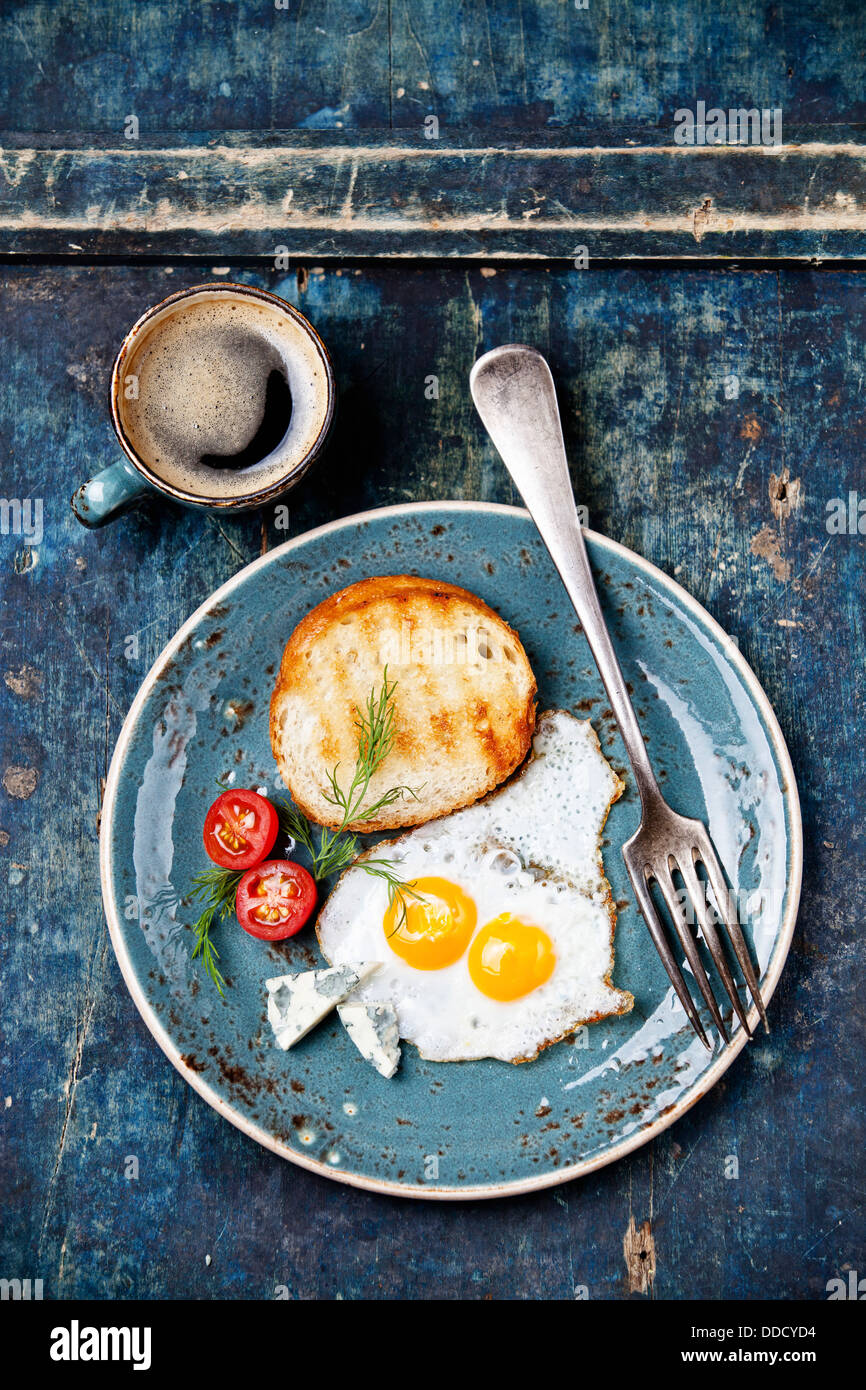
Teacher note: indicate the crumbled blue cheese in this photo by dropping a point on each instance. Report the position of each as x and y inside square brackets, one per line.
[296, 1003]
[373, 1029]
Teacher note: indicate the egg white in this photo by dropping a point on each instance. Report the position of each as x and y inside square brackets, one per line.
[532, 848]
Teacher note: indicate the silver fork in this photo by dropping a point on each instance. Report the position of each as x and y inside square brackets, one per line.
[514, 393]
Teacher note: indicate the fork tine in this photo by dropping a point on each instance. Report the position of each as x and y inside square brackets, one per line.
[707, 856]
[711, 936]
[647, 907]
[666, 884]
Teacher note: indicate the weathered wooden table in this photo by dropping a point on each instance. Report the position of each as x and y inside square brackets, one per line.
[711, 372]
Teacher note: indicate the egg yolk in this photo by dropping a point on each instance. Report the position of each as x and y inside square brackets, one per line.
[435, 928]
[510, 958]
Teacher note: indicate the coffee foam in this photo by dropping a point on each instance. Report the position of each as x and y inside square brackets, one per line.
[201, 372]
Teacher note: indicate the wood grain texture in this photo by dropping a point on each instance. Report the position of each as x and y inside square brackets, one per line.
[324, 196]
[687, 398]
[73, 65]
[711, 417]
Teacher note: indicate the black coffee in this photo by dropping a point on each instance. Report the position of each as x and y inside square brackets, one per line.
[220, 388]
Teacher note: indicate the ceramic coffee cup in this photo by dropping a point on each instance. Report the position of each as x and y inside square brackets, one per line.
[222, 397]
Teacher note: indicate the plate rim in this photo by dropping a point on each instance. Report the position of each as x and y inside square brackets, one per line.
[516, 1186]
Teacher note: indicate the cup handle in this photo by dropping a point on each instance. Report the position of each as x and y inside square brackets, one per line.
[108, 494]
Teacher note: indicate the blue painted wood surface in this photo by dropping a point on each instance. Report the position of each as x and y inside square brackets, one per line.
[74, 66]
[667, 463]
[713, 418]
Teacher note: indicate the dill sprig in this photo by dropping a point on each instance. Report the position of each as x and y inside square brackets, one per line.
[376, 734]
[216, 890]
[398, 888]
[333, 850]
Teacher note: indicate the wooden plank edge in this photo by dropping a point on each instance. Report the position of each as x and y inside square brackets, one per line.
[394, 201]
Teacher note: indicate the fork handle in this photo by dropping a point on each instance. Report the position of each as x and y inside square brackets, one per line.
[514, 394]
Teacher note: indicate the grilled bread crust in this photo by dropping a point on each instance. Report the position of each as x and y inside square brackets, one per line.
[464, 704]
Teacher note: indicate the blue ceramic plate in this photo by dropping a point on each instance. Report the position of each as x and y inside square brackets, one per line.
[471, 1129]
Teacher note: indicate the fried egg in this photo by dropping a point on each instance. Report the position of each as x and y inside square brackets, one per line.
[503, 943]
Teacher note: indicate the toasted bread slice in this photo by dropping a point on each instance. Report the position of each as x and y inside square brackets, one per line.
[464, 703]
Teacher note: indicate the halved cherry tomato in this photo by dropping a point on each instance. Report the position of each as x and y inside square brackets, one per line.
[275, 899]
[240, 829]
